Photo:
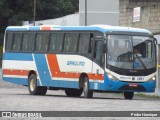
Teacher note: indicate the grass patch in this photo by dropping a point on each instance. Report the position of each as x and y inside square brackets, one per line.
[148, 96]
[143, 95]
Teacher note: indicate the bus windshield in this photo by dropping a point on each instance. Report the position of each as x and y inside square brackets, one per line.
[131, 52]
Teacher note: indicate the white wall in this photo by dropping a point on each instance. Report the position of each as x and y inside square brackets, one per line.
[69, 20]
[99, 12]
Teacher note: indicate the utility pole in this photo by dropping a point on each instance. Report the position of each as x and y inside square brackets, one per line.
[34, 19]
[85, 12]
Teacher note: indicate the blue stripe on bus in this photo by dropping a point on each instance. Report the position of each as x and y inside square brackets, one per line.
[19, 81]
[42, 68]
[16, 29]
[18, 56]
[34, 28]
[82, 28]
[130, 30]
[64, 84]
[100, 29]
[54, 83]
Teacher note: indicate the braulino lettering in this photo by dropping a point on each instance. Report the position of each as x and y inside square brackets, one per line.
[76, 63]
[68, 62]
[81, 63]
[72, 63]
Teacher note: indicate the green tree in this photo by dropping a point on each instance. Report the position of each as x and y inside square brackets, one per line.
[13, 12]
[47, 9]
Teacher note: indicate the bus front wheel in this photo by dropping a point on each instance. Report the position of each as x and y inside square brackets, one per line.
[87, 92]
[128, 95]
[33, 88]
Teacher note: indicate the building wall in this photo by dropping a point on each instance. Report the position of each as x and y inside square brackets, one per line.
[150, 14]
[69, 20]
[149, 19]
[99, 12]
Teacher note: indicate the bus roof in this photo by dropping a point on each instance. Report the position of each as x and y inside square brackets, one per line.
[101, 28]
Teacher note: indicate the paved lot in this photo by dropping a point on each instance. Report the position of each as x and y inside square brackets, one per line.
[17, 98]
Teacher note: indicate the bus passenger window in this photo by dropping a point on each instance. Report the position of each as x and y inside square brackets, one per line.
[42, 42]
[27, 42]
[38, 42]
[52, 45]
[16, 44]
[84, 43]
[8, 41]
[45, 42]
[56, 42]
[70, 42]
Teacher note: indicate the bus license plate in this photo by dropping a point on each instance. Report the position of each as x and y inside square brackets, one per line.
[133, 85]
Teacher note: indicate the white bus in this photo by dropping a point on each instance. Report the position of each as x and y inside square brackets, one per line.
[80, 59]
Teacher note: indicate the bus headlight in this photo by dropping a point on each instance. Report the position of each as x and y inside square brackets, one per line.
[152, 79]
[112, 77]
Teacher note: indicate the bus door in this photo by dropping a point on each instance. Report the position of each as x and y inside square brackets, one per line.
[98, 63]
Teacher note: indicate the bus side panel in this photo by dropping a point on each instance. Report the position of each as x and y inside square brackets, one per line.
[15, 68]
[59, 78]
[45, 73]
[71, 66]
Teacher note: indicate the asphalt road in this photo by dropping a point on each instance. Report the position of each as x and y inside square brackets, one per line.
[16, 98]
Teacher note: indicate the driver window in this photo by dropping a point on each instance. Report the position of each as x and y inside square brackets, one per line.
[98, 52]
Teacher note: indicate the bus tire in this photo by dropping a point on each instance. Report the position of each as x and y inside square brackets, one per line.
[128, 95]
[73, 92]
[87, 92]
[33, 88]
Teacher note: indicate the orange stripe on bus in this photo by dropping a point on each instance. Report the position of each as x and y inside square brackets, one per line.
[54, 74]
[15, 72]
[65, 74]
[55, 70]
[6, 71]
[45, 28]
[96, 76]
[53, 62]
[76, 75]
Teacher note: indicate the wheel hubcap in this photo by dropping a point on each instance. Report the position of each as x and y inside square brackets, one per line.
[85, 86]
[32, 84]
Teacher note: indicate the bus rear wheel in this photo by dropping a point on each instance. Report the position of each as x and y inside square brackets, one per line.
[128, 95]
[33, 88]
[87, 92]
[73, 92]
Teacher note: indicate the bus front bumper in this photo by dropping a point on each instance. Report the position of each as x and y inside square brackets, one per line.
[121, 86]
